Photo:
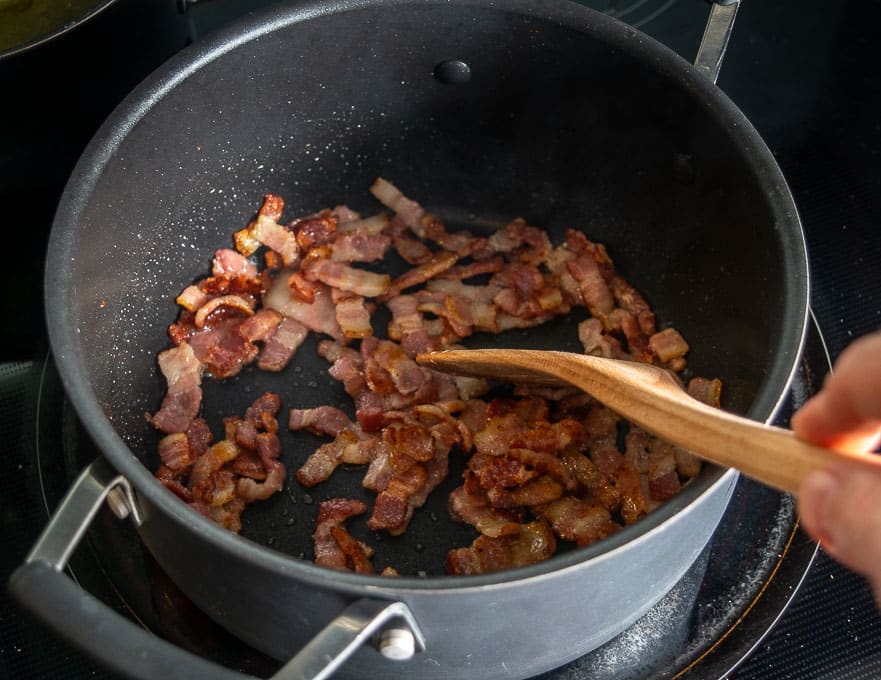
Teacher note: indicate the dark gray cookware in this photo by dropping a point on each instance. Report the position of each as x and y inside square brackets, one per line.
[483, 111]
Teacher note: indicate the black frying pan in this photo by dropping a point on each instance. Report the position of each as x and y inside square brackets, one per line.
[569, 119]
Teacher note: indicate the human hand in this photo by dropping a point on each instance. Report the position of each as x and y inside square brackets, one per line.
[840, 505]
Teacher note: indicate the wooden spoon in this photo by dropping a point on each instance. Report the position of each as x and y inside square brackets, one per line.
[651, 398]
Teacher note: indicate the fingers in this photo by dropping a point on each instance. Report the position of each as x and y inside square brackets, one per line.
[839, 506]
[846, 413]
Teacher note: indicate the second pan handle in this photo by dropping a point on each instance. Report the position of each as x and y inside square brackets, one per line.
[715, 41]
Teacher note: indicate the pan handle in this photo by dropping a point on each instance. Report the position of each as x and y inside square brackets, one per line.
[132, 651]
[715, 40]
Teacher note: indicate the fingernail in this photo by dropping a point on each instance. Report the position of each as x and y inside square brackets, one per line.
[820, 490]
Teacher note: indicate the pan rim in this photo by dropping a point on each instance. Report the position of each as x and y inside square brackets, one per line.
[137, 105]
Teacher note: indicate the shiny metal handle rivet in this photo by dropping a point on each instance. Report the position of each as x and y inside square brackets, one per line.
[118, 504]
[397, 644]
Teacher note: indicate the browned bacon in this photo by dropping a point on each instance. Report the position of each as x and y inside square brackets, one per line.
[332, 514]
[668, 344]
[532, 543]
[579, 520]
[547, 454]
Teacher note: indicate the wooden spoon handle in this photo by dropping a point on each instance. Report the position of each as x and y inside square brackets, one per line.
[649, 397]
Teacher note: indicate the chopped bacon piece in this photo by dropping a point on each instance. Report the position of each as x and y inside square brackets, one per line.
[331, 514]
[230, 263]
[327, 420]
[357, 554]
[668, 344]
[438, 263]
[634, 504]
[353, 317]
[408, 210]
[578, 520]
[278, 238]
[222, 349]
[315, 230]
[318, 315]
[476, 511]
[368, 226]
[280, 347]
[174, 452]
[342, 276]
[360, 247]
[268, 448]
[192, 298]
[707, 391]
[183, 374]
[534, 542]
[260, 325]
[592, 286]
[393, 509]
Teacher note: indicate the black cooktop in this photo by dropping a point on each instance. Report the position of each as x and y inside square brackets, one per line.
[804, 73]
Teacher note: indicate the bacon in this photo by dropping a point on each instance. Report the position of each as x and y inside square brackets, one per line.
[438, 263]
[278, 238]
[183, 398]
[360, 247]
[348, 447]
[340, 275]
[192, 298]
[353, 317]
[634, 504]
[412, 333]
[462, 242]
[203, 480]
[318, 316]
[578, 520]
[707, 391]
[331, 514]
[590, 333]
[222, 349]
[279, 348]
[174, 452]
[230, 263]
[476, 511]
[410, 212]
[630, 300]
[668, 344]
[637, 342]
[369, 226]
[357, 554]
[301, 288]
[393, 509]
[315, 230]
[549, 454]
[534, 542]
[260, 325]
[268, 448]
[592, 287]
[327, 420]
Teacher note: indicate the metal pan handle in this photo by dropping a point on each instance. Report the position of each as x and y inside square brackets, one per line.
[41, 586]
[716, 35]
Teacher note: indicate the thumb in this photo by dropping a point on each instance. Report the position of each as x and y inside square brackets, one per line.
[839, 506]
